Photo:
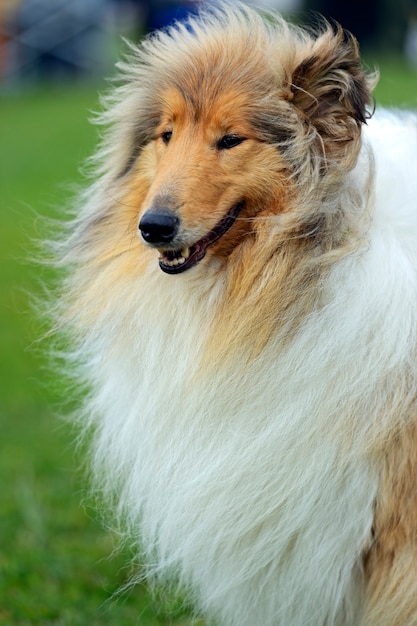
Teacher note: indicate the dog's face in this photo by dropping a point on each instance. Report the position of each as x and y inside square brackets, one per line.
[211, 174]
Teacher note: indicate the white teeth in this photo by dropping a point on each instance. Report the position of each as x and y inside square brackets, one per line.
[185, 252]
[172, 262]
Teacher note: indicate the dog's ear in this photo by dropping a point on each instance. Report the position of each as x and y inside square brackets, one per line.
[331, 90]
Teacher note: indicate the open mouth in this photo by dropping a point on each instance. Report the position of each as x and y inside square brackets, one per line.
[177, 261]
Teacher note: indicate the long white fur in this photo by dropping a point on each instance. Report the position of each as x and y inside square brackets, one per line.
[255, 486]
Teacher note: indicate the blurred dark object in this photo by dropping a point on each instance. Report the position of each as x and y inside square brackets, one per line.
[161, 13]
[55, 38]
[410, 46]
[377, 24]
[61, 39]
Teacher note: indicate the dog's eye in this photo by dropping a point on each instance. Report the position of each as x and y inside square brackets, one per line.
[166, 136]
[229, 141]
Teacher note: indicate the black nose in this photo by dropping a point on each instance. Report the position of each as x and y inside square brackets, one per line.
[159, 226]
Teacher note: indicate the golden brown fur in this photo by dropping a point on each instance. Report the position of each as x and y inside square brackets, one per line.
[392, 561]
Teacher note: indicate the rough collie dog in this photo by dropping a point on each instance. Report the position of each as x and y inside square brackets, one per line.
[242, 297]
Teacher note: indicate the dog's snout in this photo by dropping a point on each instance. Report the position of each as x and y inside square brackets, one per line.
[159, 226]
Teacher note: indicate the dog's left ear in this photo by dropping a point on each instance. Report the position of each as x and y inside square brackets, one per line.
[331, 90]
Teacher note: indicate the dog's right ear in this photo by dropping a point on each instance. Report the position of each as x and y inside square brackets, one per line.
[331, 90]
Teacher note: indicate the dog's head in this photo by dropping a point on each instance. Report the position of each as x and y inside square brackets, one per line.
[233, 119]
[211, 173]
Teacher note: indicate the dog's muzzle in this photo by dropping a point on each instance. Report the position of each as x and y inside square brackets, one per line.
[159, 227]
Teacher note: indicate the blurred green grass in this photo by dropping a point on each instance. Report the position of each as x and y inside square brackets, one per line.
[55, 563]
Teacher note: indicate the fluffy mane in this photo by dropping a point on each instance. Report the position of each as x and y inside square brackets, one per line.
[308, 98]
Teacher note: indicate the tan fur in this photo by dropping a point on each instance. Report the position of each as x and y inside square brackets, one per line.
[392, 561]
